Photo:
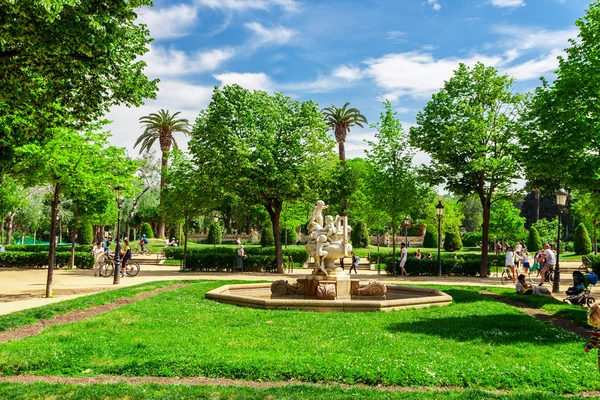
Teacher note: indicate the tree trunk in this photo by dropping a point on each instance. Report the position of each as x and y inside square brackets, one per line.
[485, 234]
[342, 151]
[248, 225]
[163, 183]
[394, 244]
[74, 235]
[52, 252]
[9, 227]
[228, 223]
[2, 231]
[595, 221]
[134, 207]
[274, 210]
[536, 205]
[185, 237]
[34, 235]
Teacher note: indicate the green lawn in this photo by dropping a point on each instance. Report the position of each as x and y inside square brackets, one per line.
[475, 343]
[293, 392]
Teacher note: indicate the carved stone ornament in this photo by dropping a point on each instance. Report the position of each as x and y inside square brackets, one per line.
[354, 286]
[283, 288]
[373, 289]
[326, 292]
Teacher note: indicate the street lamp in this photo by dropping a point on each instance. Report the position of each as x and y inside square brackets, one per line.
[439, 212]
[406, 222]
[561, 201]
[216, 219]
[117, 276]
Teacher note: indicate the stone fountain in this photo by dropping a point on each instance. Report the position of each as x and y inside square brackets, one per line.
[327, 287]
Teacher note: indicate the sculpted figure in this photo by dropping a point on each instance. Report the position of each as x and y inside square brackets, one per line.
[320, 253]
[317, 215]
[330, 229]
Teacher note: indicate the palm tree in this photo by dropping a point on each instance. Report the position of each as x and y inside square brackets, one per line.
[340, 120]
[161, 126]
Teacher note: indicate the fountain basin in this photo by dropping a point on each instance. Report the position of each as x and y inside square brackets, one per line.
[258, 295]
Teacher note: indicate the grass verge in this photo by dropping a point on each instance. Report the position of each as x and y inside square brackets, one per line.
[20, 318]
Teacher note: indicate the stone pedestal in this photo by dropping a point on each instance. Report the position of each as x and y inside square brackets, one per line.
[317, 285]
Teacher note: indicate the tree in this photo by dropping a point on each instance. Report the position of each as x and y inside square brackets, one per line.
[534, 242]
[393, 183]
[11, 198]
[161, 126]
[547, 229]
[267, 149]
[430, 240]
[215, 235]
[472, 211]
[506, 221]
[266, 236]
[340, 120]
[86, 234]
[66, 62]
[587, 207]
[360, 235]
[68, 162]
[564, 119]
[468, 130]
[581, 241]
[452, 240]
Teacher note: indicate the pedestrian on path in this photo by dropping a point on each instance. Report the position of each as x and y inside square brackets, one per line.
[403, 257]
[98, 252]
[355, 261]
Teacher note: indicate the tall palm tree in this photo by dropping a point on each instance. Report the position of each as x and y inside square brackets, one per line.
[161, 126]
[340, 120]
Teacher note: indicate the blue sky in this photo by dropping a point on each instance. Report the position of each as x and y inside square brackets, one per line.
[337, 51]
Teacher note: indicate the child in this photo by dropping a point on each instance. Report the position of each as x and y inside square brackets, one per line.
[594, 321]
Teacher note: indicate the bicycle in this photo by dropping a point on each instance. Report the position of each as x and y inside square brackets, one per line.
[507, 274]
[142, 251]
[108, 269]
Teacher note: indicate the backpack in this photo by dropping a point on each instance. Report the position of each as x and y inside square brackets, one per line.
[145, 240]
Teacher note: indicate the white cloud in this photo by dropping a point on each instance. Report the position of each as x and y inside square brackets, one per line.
[417, 74]
[396, 36]
[348, 73]
[263, 36]
[508, 3]
[172, 62]
[250, 81]
[341, 77]
[170, 22]
[529, 38]
[533, 69]
[435, 5]
[243, 5]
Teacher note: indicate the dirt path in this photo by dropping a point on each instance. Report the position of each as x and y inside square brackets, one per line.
[78, 315]
[540, 314]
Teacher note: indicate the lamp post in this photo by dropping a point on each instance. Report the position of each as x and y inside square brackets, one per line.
[439, 212]
[117, 276]
[216, 220]
[561, 201]
[406, 222]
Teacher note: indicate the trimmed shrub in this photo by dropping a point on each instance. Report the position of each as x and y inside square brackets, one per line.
[360, 235]
[215, 235]
[581, 241]
[460, 265]
[266, 237]
[298, 254]
[452, 241]
[472, 239]
[430, 240]
[45, 248]
[534, 242]
[21, 259]
[288, 235]
[85, 233]
[146, 229]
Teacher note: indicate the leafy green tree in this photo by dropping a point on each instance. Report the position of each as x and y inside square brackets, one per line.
[340, 120]
[11, 198]
[452, 241]
[66, 62]
[506, 220]
[586, 206]
[30, 216]
[430, 240]
[360, 235]
[468, 130]
[581, 241]
[146, 229]
[547, 229]
[393, 183]
[472, 211]
[215, 235]
[86, 234]
[267, 149]
[288, 235]
[266, 237]
[161, 126]
[534, 242]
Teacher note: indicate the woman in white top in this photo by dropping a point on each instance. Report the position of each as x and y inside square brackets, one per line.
[510, 262]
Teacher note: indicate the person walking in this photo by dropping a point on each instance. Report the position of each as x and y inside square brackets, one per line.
[355, 261]
[403, 257]
[98, 253]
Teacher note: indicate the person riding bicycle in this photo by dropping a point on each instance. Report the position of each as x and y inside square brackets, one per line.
[143, 243]
[547, 260]
[125, 256]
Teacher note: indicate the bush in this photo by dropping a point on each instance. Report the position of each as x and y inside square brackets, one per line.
[297, 254]
[534, 242]
[85, 233]
[215, 235]
[460, 265]
[45, 248]
[288, 235]
[430, 240]
[452, 241]
[146, 229]
[266, 237]
[22, 259]
[472, 239]
[360, 235]
[581, 241]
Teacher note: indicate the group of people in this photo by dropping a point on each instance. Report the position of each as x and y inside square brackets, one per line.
[420, 256]
[544, 260]
[101, 250]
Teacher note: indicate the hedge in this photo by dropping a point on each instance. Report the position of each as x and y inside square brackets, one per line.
[298, 254]
[452, 241]
[472, 239]
[21, 259]
[220, 261]
[35, 248]
[459, 265]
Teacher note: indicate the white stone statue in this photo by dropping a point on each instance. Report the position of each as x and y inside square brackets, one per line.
[317, 215]
[320, 253]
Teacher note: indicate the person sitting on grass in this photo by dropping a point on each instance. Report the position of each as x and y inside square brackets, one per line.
[418, 254]
[527, 288]
[594, 321]
[429, 256]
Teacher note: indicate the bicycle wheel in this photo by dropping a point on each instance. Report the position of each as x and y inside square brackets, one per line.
[550, 276]
[132, 268]
[506, 277]
[590, 301]
[108, 269]
[148, 251]
[530, 278]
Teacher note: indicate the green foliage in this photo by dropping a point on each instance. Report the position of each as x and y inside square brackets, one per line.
[459, 265]
[534, 242]
[340, 120]
[44, 248]
[266, 236]
[547, 229]
[430, 240]
[22, 259]
[85, 233]
[472, 239]
[581, 241]
[146, 229]
[506, 221]
[360, 235]
[472, 211]
[215, 235]
[452, 241]
[298, 254]
[288, 235]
